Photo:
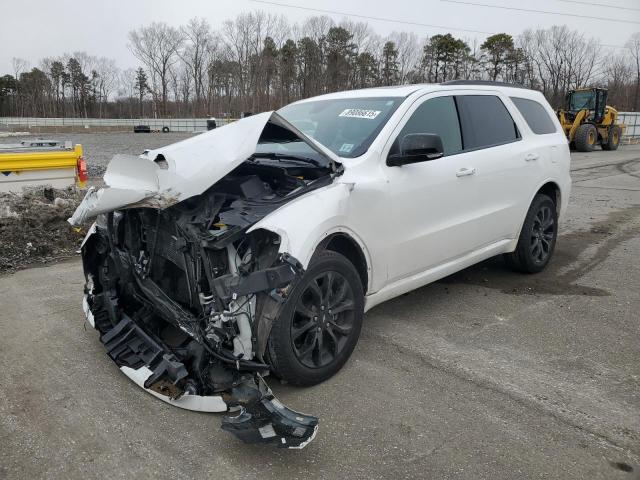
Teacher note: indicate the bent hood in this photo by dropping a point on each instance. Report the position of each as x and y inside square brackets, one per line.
[162, 177]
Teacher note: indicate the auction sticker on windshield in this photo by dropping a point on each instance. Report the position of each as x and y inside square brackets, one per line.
[359, 113]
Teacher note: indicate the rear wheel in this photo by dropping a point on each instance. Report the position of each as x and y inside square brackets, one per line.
[537, 238]
[320, 323]
[614, 138]
[586, 138]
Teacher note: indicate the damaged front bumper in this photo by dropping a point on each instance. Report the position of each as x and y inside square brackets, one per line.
[184, 367]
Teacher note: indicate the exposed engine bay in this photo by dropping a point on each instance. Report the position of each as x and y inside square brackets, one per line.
[184, 298]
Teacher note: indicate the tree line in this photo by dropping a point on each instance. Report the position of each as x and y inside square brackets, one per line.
[259, 62]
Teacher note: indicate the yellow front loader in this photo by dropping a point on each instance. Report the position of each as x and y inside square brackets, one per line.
[588, 120]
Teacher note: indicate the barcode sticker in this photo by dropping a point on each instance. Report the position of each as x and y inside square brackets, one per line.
[359, 113]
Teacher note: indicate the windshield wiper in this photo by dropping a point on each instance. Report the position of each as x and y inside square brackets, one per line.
[287, 156]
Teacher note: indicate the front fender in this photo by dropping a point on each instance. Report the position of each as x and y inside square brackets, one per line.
[303, 223]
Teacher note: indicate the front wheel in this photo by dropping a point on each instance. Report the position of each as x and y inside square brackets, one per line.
[537, 239]
[613, 139]
[586, 138]
[320, 322]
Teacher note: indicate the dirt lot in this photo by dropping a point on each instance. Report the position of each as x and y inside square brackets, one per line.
[484, 375]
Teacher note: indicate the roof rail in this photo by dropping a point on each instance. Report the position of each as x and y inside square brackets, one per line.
[487, 83]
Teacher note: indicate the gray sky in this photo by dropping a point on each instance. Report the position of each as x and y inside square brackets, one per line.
[33, 29]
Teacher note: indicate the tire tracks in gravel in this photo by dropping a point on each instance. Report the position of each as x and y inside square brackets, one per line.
[503, 376]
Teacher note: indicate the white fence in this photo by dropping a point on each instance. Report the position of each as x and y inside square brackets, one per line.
[174, 124]
[632, 121]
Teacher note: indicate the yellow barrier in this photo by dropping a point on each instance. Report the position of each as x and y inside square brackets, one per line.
[17, 161]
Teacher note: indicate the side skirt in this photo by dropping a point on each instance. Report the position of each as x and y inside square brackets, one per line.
[418, 280]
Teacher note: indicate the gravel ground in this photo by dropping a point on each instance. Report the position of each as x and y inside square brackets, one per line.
[99, 148]
[486, 374]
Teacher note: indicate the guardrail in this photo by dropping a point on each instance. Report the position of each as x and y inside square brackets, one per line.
[125, 124]
[59, 166]
[632, 122]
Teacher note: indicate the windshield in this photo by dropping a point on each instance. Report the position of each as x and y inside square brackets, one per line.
[346, 126]
[582, 100]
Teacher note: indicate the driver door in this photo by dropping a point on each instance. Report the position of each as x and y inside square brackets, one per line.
[433, 203]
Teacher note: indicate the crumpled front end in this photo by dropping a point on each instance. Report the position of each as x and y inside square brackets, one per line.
[184, 304]
[182, 289]
[184, 294]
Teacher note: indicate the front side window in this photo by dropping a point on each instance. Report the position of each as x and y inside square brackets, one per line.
[535, 115]
[438, 116]
[485, 121]
[347, 126]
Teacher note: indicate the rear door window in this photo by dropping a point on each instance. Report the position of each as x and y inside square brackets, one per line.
[535, 115]
[438, 116]
[485, 121]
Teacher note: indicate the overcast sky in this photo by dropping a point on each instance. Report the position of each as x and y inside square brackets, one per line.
[33, 29]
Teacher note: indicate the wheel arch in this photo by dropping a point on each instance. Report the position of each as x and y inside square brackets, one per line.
[553, 191]
[343, 243]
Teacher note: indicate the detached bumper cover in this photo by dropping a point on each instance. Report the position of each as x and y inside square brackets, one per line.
[261, 418]
[269, 421]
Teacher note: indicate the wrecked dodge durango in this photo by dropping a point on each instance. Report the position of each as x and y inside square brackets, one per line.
[255, 248]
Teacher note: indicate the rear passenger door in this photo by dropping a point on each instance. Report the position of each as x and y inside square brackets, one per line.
[506, 167]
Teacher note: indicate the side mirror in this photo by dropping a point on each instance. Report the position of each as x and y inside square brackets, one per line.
[417, 147]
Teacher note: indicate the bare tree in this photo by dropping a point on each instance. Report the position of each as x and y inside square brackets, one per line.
[317, 27]
[107, 80]
[559, 59]
[617, 69]
[156, 46]
[408, 53]
[245, 37]
[19, 65]
[634, 48]
[126, 91]
[200, 44]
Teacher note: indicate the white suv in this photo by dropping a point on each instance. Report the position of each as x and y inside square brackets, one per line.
[257, 247]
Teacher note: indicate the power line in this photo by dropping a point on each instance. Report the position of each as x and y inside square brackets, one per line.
[357, 15]
[539, 11]
[404, 22]
[617, 7]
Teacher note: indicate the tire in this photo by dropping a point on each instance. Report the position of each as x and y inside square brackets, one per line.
[586, 137]
[304, 351]
[537, 239]
[165, 129]
[615, 132]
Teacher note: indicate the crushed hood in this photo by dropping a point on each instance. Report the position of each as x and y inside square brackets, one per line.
[164, 176]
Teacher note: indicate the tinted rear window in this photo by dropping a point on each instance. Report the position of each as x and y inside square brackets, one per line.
[536, 116]
[485, 121]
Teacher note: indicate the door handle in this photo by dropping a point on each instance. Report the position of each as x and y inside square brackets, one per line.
[463, 172]
[530, 157]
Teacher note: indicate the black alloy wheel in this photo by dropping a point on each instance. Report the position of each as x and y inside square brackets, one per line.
[323, 319]
[537, 238]
[543, 234]
[319, 324]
